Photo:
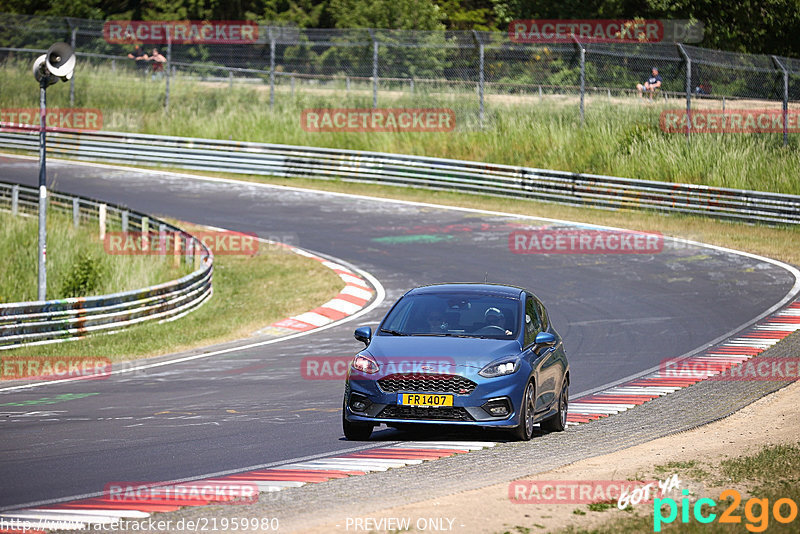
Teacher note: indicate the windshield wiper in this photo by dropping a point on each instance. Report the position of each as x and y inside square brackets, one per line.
[444, 334]
[393, 332]
[448, 334]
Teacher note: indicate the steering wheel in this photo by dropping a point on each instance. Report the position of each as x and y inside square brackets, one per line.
[491, 329]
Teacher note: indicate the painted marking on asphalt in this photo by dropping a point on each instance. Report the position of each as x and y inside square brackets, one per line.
[717, 359]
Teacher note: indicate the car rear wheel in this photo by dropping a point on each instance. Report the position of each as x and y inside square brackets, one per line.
[355, 431]
[558, 422]
[524, 430]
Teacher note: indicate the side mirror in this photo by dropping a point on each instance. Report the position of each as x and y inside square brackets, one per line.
[544, 339]
[363, 334]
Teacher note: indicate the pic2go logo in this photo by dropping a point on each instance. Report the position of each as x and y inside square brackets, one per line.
[756, 511]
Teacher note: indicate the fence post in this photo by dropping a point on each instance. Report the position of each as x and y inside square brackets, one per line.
[271, 68]
[72, 79]
[145, 224]
[292, 82]
[374, 69]
[102, 219]
[124, 221]
[76, 212]
[162, 238]
[14, 200]
[230, 79]
[176, 249]
[479, 43]
[582, 55]
[189, 248]
[347, 84]
[779, 63]
[688, 90]
[169, 67]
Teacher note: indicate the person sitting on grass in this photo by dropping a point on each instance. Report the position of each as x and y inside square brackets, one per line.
[652, 83]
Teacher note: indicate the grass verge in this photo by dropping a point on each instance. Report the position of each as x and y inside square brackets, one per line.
[761, 480]
[621, 137]
[77, 264]
[250, 292]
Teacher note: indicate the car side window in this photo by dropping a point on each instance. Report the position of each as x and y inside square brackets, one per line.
[532, 322]
[542, 315]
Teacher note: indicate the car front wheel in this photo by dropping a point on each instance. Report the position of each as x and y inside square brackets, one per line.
[558, 422]
[355, 431]
[524, 430]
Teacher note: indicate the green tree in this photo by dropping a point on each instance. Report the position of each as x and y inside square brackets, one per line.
[395, 14]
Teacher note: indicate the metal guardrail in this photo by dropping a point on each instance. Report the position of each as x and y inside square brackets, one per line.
[31, 323]
[419, 171]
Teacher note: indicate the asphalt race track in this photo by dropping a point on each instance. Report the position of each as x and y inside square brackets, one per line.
[619, 314]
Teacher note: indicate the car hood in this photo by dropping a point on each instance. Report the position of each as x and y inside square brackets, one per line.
[437, 354]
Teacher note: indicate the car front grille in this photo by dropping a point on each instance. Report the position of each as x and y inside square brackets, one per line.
[440, 383]
[441, 413]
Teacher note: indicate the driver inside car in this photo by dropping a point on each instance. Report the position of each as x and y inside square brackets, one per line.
[494, 317]
[436, 322]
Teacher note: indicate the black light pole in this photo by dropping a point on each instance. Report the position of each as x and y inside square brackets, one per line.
[42, 292]
[57, 63]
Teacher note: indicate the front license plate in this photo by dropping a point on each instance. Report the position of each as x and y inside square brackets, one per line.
[424, 399]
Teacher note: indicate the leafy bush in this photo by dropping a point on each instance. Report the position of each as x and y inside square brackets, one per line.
[84, 277]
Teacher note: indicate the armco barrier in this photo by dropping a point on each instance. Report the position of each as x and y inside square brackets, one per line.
[419, 171]
[52, 321]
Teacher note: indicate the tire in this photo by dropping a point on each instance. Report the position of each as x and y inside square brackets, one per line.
[558, 423]
[355, 431]
[524, 430]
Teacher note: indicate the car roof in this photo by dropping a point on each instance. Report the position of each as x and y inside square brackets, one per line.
[483, 289]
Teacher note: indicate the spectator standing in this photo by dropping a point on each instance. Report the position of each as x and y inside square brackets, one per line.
[159, 61]
[140, 58]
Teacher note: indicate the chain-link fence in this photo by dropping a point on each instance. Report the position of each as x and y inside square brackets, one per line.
[467, 70]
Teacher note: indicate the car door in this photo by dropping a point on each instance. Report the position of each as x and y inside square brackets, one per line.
[554, 365]
[542, 360]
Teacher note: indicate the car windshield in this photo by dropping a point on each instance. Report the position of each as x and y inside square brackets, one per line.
[454, 314]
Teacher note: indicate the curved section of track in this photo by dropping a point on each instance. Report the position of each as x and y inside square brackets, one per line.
[619, 314]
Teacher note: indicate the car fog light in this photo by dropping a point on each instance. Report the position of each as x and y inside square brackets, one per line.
[497, 407]
[358, 403]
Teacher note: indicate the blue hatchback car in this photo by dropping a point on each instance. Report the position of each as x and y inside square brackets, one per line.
[459, 354]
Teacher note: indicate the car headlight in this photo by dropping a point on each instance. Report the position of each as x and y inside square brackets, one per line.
[503, 367]
[365, 363]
